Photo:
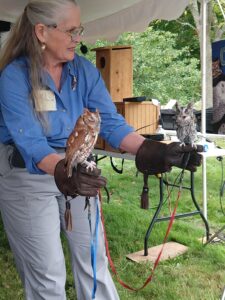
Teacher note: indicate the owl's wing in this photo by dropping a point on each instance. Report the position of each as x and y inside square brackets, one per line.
[91, 140]
[180, 134]
[74, 146]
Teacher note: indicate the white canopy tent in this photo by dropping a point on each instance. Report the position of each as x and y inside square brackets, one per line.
[107, 19]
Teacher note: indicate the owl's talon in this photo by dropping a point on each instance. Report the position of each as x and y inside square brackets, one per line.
[193, 145]
[89, 165]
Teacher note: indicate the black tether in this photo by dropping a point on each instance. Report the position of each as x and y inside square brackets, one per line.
[115, 168]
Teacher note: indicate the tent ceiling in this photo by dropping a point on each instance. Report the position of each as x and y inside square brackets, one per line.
[107, 18]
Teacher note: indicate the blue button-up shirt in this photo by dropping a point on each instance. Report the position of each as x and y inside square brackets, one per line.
[81, 86]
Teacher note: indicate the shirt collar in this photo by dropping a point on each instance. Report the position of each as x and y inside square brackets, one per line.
[70, 68]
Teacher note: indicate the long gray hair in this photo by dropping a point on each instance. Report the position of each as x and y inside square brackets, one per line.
[22, 40]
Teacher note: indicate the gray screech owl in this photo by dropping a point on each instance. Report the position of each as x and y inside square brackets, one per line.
[82, 141]
[186, 124]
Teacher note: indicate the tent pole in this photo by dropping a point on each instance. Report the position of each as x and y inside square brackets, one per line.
[203, 114]
[204, 66]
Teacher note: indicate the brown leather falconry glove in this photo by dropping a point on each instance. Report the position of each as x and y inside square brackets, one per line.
[84, 182]
[157, 157]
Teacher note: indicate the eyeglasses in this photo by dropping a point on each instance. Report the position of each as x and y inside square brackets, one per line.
[73, 33]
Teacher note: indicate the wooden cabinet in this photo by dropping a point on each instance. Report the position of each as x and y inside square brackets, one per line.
[116, 66]
[143, 116]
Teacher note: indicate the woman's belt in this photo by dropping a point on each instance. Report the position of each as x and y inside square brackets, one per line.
[17, 160]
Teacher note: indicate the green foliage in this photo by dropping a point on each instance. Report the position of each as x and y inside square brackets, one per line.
[185, 31]
[161, 69]
[218, 21]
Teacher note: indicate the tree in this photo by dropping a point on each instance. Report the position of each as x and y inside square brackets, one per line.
[167, 56]
[192, 32]
[161, 70]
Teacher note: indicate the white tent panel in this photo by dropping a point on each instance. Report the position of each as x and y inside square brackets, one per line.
[107, 18]
[134, 17]
[11, 9]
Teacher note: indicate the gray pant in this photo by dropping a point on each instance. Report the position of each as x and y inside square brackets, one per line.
[32, 211]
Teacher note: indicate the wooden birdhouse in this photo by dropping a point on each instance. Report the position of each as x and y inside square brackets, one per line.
[116, 66]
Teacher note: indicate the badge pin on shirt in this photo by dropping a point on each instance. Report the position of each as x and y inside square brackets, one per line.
[74, 83]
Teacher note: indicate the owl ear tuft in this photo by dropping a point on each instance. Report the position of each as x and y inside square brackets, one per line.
[190, 105]
[85, 110]
[177, 106]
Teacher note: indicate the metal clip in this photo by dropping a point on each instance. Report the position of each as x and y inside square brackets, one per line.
[74, 83]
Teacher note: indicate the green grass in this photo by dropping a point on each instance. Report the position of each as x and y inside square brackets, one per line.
[197, 274]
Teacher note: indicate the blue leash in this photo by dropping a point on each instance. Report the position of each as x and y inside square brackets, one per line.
[94, 244]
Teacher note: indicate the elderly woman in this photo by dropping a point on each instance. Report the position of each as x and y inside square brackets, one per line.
[44, 88]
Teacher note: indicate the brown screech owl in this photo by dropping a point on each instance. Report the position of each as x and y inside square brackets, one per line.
[186, 124]
[82, 141]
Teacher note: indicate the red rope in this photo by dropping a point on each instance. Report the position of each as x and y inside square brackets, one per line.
[157, 259]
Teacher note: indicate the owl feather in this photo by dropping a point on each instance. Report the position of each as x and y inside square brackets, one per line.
[82, 140]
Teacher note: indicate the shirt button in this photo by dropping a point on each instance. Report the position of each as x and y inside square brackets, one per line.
[68, 128]
[63, 110]
[20, 130]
